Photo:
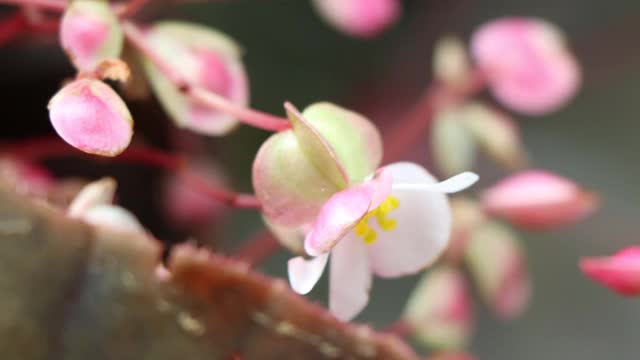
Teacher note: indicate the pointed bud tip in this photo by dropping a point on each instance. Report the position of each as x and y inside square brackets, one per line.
[619, 272]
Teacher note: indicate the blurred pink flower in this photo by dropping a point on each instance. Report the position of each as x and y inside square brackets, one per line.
[620, 272]
[538, 200]
[359, 18]
[527, 64]
[90, 116]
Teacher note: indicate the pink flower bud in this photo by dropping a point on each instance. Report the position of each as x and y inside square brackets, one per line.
[90, 33]
[440, 309]
[188, 207]
[359, 18]
[538, 200]
[620, 272]
[527, 64]
[498, 267]
[90, 116]
[206, 58]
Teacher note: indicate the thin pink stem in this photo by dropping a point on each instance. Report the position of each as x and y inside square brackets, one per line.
[258, 248]
[415, 125]
[248, 116]
[44, 148]
[11, 26]
[53, 5]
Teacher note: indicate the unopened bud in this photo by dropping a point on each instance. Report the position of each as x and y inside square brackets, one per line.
[620, 272]
[90, 116]
[451, 62]
[359, 18]
[538, 200]
[440, 310]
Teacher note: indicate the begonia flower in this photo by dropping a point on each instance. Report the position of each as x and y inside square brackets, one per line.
[359, 18]
[90, 116]
[323, 174]
[498, 267]
[537, 199]
[440, 309]
[619, 272]
[90, 33]
[526, 63]
[203, 57]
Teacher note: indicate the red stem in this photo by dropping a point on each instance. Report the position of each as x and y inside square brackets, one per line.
[205, 97]
[415, 125]
[53, 5]
[258, 248]
[42, 148]
[11, 26]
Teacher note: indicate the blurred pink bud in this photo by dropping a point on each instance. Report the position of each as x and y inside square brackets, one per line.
[203, 57]
[185, 205]
[90, 116]
[26, 177]
[498, 267]
[620, 272]
[359, 18]
[538, 200]
[467, 215]
[440, 309]
[527, 64]
[90, 33]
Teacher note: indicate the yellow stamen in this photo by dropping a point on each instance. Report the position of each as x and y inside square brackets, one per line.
[369, 235]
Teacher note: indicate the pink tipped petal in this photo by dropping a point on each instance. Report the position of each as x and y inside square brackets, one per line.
[527, 64]
[295, 172]
[349, 278]
[359, 18]
[305, 273]
[90, 116]
[90, 33]
[497, 264]
[355, 140]
[343, 211]
[620, 272]
[537, 199]
[440, 309]
[206, 58]
[423, 226]
[99, 192]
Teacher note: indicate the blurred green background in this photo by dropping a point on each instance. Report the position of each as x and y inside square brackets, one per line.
[292, 55]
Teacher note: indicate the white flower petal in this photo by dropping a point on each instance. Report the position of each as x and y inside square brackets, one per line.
[452, 185]
[305, 273]
[349, 278]
[422, 230]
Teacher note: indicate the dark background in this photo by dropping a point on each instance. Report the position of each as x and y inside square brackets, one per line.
[292, 55]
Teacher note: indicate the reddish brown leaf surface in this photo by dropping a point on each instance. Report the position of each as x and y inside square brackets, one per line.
[73, 292]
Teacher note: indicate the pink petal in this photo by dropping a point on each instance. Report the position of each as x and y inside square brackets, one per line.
[359, 18]
[304, 274]
[423, 226]
[26, 177]
[343, 211]
[527, 64]
[620, 272]
[90, 116]
[349, 278]
[536, 199]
